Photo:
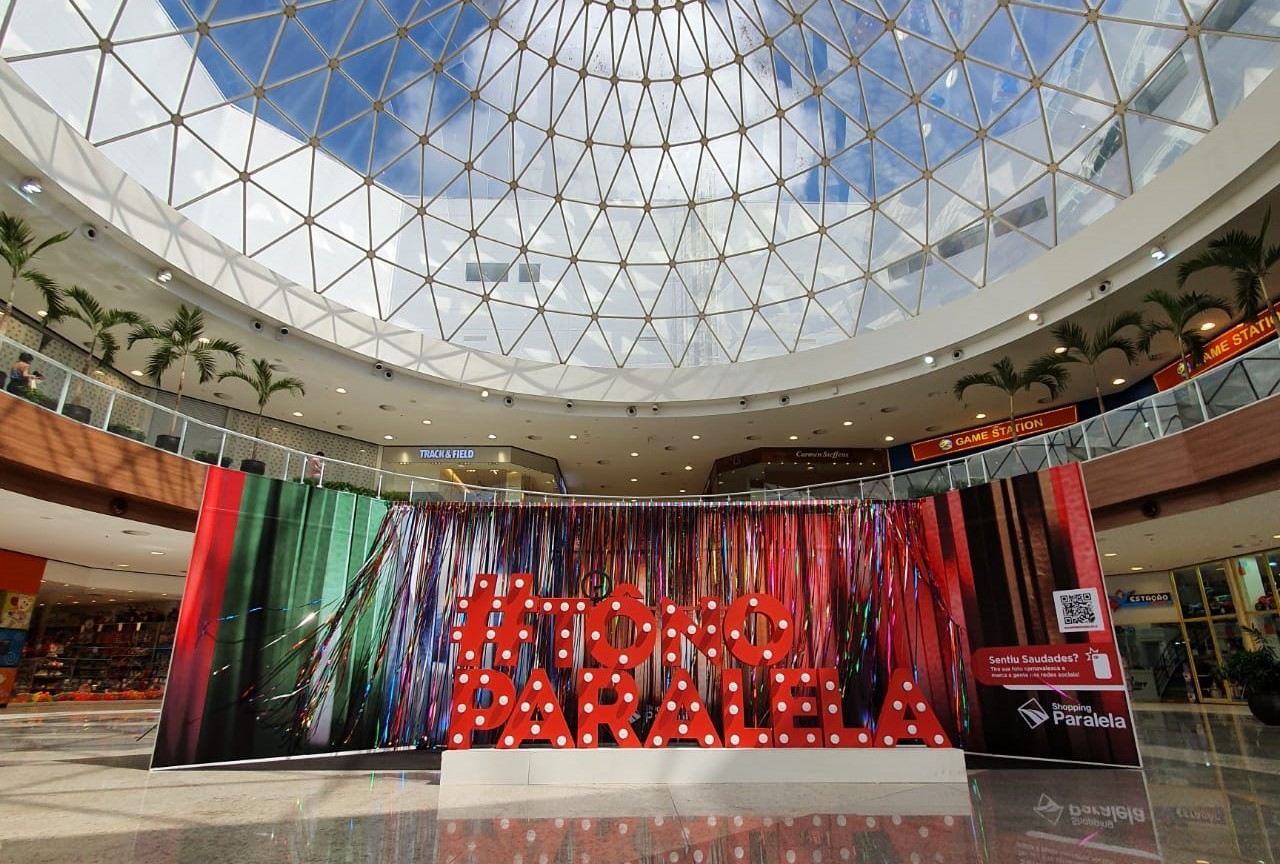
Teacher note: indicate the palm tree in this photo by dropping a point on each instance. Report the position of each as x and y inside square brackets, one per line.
[89, 312]
[1082, 347]
[265, 385]
[1249, 260]
[1047, 371]
[18, 248]
[181, 340]
[1179, 312]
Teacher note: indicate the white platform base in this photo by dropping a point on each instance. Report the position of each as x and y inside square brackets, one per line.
[679, 766]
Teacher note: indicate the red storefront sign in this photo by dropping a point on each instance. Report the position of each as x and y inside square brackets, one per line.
[1237, 340]
[993, 433]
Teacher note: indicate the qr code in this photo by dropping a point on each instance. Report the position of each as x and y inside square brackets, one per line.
[1078, 610]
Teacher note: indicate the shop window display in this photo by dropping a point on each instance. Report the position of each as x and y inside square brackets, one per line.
[80, 652]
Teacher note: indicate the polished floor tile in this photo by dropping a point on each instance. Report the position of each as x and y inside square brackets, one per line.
[75, 789]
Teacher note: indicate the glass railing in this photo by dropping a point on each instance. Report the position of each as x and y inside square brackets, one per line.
[1240, 382]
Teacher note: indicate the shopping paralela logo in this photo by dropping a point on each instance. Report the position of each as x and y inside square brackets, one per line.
[1033, 713]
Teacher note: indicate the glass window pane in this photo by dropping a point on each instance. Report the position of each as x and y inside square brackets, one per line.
[1189, 597]
[1217, 589]
[1204, 660]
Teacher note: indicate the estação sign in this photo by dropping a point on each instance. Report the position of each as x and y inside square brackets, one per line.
[805, 703]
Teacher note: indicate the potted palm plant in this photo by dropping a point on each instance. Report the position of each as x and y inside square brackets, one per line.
[181, 340]
[1249, 260]
[86, 309]
[1088, 348]
[265, 385]
[1257, 672]
[1047, 371]
[19, 248]
[1180, 312]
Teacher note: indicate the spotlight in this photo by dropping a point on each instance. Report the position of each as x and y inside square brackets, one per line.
[1061, 349]
[484, 394]
[30, 186]
[1033, 317]
[164, 275]
[929, 360]
[1116, 382]
[1158, 254]
[888, 437]
[1207, 326]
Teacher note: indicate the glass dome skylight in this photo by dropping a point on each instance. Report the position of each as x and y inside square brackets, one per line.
[670, 183]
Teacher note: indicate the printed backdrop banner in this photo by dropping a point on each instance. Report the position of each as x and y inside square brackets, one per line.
[318, 621]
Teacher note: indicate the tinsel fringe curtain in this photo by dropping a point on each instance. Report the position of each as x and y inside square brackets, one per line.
[854, 574]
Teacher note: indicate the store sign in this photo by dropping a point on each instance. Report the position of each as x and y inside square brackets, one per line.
[993, 433]
[1237, 340]
[1136, 599]
[446, 454]
[823, 455]
[805, 703]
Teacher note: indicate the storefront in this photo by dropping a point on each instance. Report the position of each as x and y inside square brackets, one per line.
[1175, 628]
[493, 473]
[769, 468]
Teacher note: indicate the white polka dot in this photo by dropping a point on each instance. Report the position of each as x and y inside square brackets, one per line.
[622, 734]
[464, 678]
[490, 635]
[462, 709]
[767, 654]
[711, 652]
[711, 604]
[733, 686]
[562, 653]
[524, 634]
[463, 603]
[504, 699]
[528, 603]
[783, 624]
[938, 739]
[587, 676]
[671, 632]
[671, 706]
[806, 707]
[682, 685]
[753, 601]
[782, 706]
[587, 708]
[834, 738]
[615, 605]
[582, 605]
[888, 740]
[911, 728]
[497, 604]
[734, 634]
[671, 658]
[623, 659]
[708, 740]
[564, 634]
[832, 709]
[560, 740]
[695, 707]
[907, 685]
[616, 678]
[734, 739]
[733, 710]
[471, 655]
[595, 635]
[921, 707]
[646, 627]
[524, 707]
[804, 677]
[564, 606]
[506, 655]
[811, 738]
[549, 707]
[764, 738]
[548, 606]
[586, 737]
[657, 740]
[628, 697]
[456, 635]
[782, 737]
[537, 685]
[683, 728]
[897, 704]
[862, 738]
[457, 738]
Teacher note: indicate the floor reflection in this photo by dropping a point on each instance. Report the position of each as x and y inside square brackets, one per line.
[74, 791]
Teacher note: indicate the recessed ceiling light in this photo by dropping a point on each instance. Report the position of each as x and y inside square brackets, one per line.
[573, 437]
[848, 423]
[426, 422]
[342, 390]
[1117, 381]
[1033, 316]
[1208, 325]
[1158, 254]
[1136, 567]
[156, 552]
[635, 454]
[297, 413]
[688, 467]
[136, 373]
[929, 360]
[980, 415]
[492, 436]
[793, 437]
[888, 437]
[1061, 349]
[1110, 554]
[696, 437]
[635, 479]
[681, 491]
[164, 275]
[484, 394]
[122, 565]
[31, 186]
[43, 313]
[204, 340]
[388, 437]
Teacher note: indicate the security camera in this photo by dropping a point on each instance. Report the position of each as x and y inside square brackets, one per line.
[631, 410]
[378, 366]
[569, 405]
[508, 400]
[742, 403]
[282, 330]
[957, 353]
[388, 374]
[653, 408]
[785, 399]
[89, 232]
[1104, 286]
[257, 325]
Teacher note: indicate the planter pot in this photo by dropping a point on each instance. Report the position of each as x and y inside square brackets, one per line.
[226, 461]
[168, 442]
[208, 460]
[1266, 707]
[253, 466]
[79, 413]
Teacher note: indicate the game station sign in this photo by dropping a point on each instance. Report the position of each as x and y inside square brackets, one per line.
[805, 703]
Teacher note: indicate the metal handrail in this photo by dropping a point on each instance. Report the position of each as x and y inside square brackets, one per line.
[1240, 382]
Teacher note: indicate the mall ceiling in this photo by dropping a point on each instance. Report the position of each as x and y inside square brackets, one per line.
[598, 460]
